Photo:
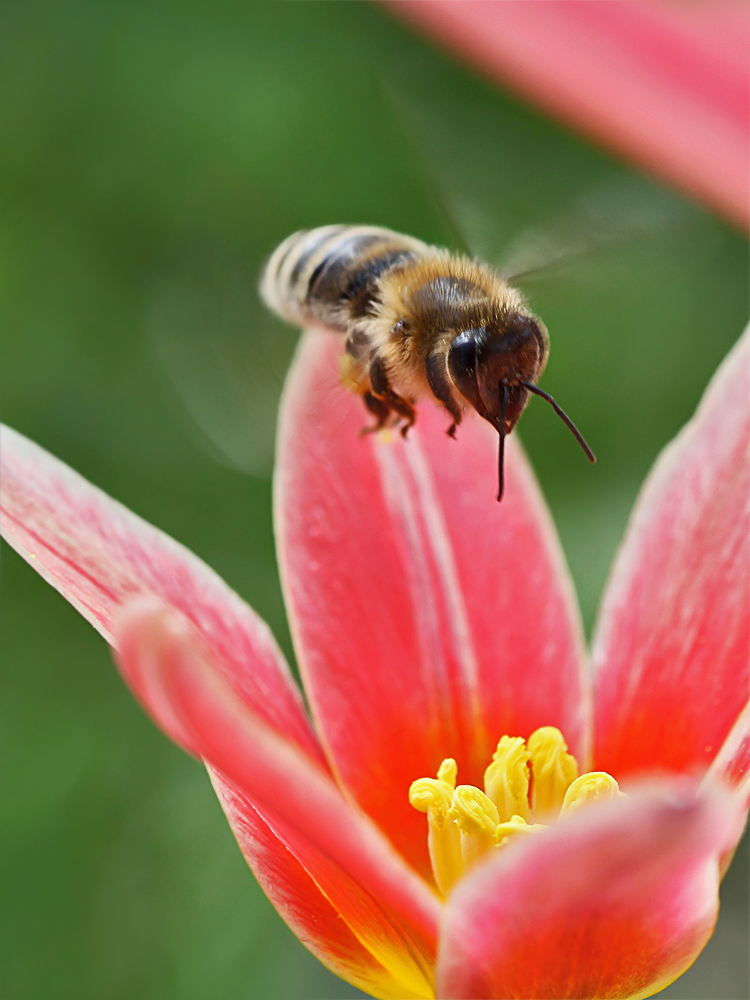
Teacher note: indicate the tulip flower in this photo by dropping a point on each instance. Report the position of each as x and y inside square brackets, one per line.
[467, 813]
[662, 83]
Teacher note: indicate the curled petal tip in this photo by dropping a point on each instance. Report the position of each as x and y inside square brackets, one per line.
[173, 673]
[149, 634]
[142, 612]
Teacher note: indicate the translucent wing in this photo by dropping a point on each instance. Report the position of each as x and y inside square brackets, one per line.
[225, 357]
[617, 213]
[505, 204]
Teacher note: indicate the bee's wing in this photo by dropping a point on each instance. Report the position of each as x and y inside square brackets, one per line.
[225, 358]
[481, 192]
[491, 187]
[613, 215]
[411, 124]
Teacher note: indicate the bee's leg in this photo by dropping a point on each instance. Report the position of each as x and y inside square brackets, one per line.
[437, 376]
[382, 389]
[404, 409]
[452, 408]
[358, 345]
[380, 410]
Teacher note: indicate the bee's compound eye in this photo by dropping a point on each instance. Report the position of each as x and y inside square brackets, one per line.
[462, 362]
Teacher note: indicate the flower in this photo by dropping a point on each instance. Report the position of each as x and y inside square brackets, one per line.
[433, 627]
[664, 84]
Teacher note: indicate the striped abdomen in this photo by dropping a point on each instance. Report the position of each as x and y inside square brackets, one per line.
[329, 276]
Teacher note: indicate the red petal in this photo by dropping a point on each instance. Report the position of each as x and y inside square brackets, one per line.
[673, 643]
[98, 554]
[665, 84]
[429, 620]
[383, 902]
[615, 901]
[299, 900]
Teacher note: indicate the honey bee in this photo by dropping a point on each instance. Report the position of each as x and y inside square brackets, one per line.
[419, 321]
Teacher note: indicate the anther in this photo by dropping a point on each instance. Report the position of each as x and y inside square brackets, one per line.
[448, 771]
[596, 786]
[431, 796]
[477, 818]
[553, 769]
[516, 827]
[435, 797]
[506, 780]
[465, 824]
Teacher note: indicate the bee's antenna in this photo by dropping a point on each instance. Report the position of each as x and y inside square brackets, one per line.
[501, 450]
[561, 413]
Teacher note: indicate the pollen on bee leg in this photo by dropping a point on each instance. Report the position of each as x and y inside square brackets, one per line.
[506, 780]
[435, 797]
[477, 818]
[352, 374]
[596, 786]
[553, 770]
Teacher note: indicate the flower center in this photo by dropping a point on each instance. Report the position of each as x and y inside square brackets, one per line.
[527, 782]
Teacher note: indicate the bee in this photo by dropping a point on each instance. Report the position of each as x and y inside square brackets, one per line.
[418, 321]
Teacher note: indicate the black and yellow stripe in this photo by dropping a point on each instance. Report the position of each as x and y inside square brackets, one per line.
[330, 275]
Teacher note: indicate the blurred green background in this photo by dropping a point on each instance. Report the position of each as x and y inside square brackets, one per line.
[152, 154]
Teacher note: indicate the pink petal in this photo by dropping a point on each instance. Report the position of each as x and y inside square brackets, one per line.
[98, 554]
[615, 901]
[300, 901]
[429, 620]
[665, 84]
[386, 906]
[673, 643]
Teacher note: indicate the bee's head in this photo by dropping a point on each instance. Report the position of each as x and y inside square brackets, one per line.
[495, 368]
[489, 364]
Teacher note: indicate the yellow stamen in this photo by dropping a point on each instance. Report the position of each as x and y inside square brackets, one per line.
[596, 786]
[554, 770]
[448, 771]
[515, 827]
[464, 824]
[477, 818]
[435, 797]
[506, 780]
